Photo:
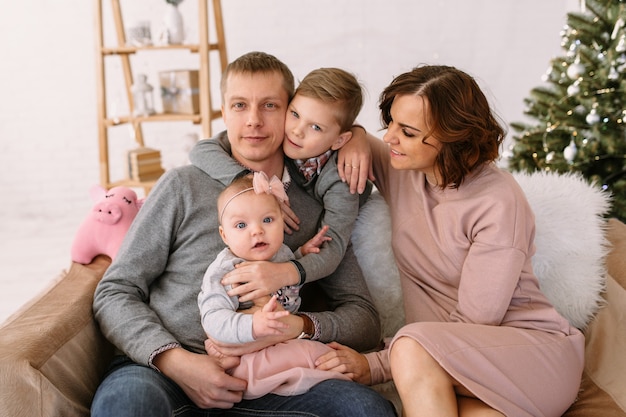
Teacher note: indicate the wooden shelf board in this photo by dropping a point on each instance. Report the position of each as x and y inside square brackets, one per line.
[123, 50]
[132, 183]
[162, 117]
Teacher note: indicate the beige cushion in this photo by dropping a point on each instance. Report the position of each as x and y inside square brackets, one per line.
[52, 354]
[603, 389]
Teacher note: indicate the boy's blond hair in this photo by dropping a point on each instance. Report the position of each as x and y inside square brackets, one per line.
[338, 87]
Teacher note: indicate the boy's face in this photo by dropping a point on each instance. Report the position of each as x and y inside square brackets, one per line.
[253, 110]
[311, 128]
[252, 226]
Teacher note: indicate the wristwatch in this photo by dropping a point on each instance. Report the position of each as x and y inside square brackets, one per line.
[308, 328]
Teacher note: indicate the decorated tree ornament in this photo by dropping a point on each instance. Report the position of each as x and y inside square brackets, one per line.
[569, 153]
[593, 117]
[580, 109]
[576, 70]
[573, 89]
[550, 157]
[613, 74]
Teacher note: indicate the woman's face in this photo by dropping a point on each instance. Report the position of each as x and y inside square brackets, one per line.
[405, 136]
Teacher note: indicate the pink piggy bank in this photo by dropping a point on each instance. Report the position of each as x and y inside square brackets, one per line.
[103, 231]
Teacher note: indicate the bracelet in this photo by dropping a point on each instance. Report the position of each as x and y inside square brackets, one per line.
[316, 331]
[308, 329]
[301, 271]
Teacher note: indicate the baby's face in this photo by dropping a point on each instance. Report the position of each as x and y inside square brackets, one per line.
[252, 226]
[311, 127]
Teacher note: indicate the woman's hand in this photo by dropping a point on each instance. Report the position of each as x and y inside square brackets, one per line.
[354, 161]
[251, 280]
[346, 361]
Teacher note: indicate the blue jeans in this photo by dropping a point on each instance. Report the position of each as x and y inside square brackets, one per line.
[135, 390]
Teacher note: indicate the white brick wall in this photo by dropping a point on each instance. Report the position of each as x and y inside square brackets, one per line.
[48, 144]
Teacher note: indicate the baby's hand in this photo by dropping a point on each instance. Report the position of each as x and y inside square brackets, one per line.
[316, 242]
[265, 322]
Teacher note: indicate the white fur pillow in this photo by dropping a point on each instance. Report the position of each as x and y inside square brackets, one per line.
[570, 241]
[371, 239]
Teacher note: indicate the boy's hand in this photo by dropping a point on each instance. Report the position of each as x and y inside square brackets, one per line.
[316, 242]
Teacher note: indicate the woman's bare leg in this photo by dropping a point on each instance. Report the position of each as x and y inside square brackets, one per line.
[473, 407]
[425, 388]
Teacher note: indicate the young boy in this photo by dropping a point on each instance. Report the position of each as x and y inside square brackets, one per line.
[318, 122]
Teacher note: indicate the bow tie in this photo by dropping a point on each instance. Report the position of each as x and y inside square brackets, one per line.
[313, 166]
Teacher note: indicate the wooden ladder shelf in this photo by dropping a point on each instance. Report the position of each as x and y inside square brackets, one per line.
[204, 48]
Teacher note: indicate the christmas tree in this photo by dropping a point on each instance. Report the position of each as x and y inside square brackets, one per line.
[580, 112]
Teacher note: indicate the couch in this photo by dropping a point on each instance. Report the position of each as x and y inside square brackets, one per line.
[52, 355]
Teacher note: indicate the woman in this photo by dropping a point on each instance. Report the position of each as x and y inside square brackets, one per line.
[481, 337]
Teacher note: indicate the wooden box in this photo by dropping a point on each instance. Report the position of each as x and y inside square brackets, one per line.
[179, 91]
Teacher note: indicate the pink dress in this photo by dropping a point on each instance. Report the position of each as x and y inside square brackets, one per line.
[286, 368]
[470, 295]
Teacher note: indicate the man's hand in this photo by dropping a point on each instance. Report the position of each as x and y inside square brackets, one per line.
[251, 280]
[202, 377]
[346, 361]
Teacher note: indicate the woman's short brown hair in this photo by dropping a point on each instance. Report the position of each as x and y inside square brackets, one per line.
[460, 118]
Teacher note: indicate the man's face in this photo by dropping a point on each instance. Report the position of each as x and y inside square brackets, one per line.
[254, 111]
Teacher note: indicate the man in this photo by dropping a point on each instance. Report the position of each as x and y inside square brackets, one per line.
[146, 303]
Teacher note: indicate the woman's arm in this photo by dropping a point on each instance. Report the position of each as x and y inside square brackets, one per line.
[354, 161]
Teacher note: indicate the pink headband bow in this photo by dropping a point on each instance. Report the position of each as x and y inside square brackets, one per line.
[262, 184]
